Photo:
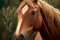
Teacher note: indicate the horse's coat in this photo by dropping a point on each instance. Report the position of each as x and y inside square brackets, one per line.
[38, 36]
[48, 21]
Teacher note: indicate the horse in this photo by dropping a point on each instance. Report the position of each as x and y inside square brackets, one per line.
[37, 16]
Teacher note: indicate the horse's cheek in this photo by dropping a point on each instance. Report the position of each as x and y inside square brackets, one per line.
[37, 26]
[38, 23]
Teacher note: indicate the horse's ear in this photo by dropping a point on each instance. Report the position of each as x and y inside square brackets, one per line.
[20, 0]
[35, 0]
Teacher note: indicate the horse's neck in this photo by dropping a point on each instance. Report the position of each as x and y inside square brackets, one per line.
[51, 21]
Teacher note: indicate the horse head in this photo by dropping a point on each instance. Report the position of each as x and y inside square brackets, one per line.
[40, 16]
[29, 20]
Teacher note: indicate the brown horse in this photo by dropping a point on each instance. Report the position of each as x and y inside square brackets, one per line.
[37, 16]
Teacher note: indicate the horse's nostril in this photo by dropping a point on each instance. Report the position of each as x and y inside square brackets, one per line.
[21, 37]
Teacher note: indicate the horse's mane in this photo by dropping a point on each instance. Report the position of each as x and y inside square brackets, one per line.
[24, 2]
[50, 11]
[51, 17]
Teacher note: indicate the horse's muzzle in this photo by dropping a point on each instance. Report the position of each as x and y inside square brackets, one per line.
[21, 37]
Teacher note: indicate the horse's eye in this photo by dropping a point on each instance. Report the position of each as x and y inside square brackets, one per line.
[33, 13]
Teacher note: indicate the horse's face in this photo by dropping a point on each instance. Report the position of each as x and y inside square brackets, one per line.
[29, 20]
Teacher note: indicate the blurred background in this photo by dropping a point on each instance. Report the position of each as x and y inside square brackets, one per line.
[8, 16]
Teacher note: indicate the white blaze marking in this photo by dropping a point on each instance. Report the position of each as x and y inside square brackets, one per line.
[24, 9]
[18, 27]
